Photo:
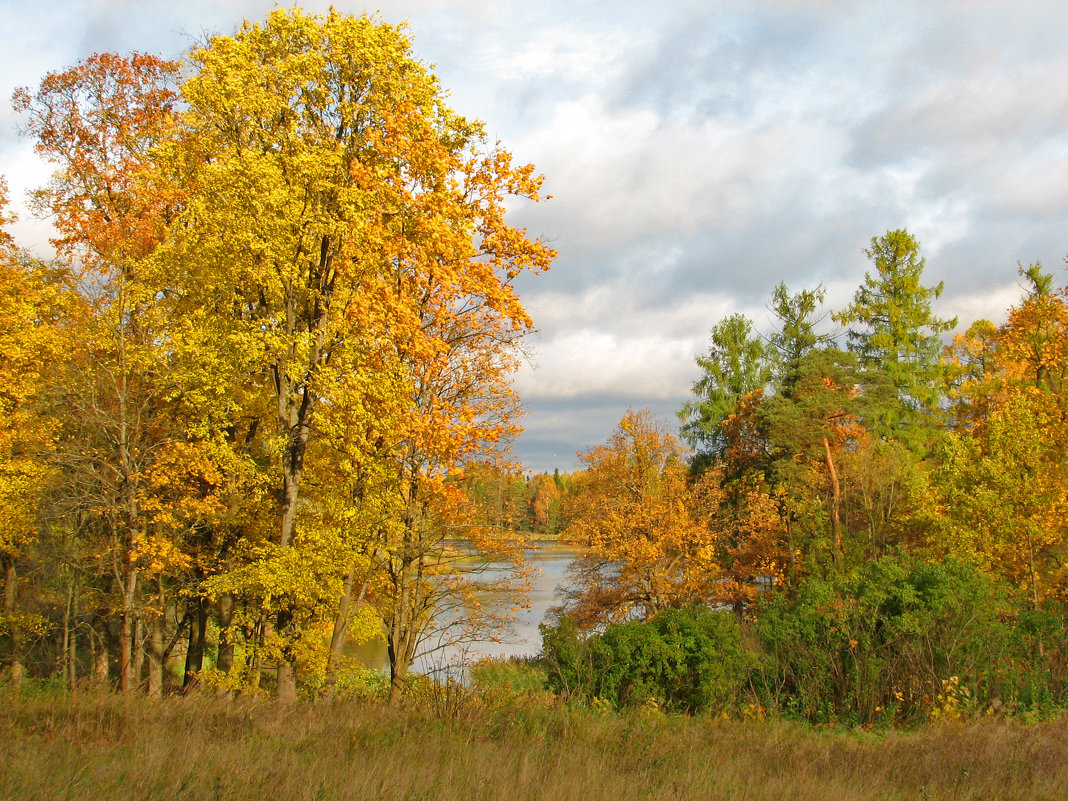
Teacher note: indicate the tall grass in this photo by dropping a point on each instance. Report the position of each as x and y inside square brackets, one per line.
[200, 747]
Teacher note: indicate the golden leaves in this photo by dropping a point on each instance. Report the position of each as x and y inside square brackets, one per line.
[304, 316]
[633, 509]
[1002, 490]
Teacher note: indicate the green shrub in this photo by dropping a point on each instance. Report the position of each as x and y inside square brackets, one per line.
[361, 683]
[685, 659]
[1037, 679]
[898, 638]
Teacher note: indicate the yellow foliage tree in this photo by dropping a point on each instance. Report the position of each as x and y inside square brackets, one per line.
[341, 223]
[303, 272]
[37, 306]
[1004, 482]
[631, 511]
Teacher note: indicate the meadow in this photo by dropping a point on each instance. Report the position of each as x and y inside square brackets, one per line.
[438, 748]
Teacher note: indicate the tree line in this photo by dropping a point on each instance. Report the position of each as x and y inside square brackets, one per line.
[238, 403]
[882, 514]
[256, 408]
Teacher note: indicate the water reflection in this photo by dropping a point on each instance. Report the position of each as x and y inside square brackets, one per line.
[552, 559]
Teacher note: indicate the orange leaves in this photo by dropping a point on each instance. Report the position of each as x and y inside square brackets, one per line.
[6, 218]
[632, 508]
[1003, 484]
[187, 488]
[304, 312]
[365, 187]
[746, 444]
[100, 121]
[1030, 348]
[1033, 342]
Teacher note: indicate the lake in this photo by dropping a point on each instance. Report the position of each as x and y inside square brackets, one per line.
[552, 560]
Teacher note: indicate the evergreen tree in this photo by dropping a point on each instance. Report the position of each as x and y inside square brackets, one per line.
[896, 332]
[797, 335]
[735, 366]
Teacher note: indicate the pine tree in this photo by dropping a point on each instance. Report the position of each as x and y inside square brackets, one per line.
[897, 333]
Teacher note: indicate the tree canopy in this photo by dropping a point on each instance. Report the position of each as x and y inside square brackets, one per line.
[301, 328]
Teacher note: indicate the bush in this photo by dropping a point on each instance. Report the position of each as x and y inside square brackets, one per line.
[1038, 679]
[899, 638]
[361, 683]
[504, 680]
[684, 659]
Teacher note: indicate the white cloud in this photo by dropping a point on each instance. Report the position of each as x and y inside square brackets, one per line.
[558, 52]
[698, 153]
[592, 362]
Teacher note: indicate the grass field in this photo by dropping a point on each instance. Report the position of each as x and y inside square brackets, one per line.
[198, 747]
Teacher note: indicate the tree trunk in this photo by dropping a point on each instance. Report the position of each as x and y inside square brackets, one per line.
[257, 661]
[155, 649]
[18, 670]
[126, 573]
[126, 632]
[68, 607]
[296, 404]
[287, 682]
[194, 655]
[397, 640]
[125, 652]
[836, 505]
[155, 658]
[100, 652]
[225, 660]
[337, 636]
[791, 559]
[294, 416]
[72, 660]
[286, 675]
[403, 636]
[137, 666]
[398, 672]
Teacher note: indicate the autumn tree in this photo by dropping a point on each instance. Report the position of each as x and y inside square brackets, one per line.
[1032, 346]
[38, 308]
[302, 328]
[972, 375]
[100, 122]
[500, 492]
[351, 225]
[545, 494]
[745, 516]
[810, 428]
[1002, 483]
[1004, 490]
[464, 408]
[883, 484]
[632, 510]
[800, 406]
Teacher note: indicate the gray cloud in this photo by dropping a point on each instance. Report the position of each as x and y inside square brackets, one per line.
[557, 430]
[699, 153]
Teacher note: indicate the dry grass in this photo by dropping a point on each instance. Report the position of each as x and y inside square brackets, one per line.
[199, 748]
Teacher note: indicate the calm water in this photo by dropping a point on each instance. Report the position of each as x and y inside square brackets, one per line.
[552, 560]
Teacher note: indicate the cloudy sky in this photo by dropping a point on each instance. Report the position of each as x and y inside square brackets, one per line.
[698, 153]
